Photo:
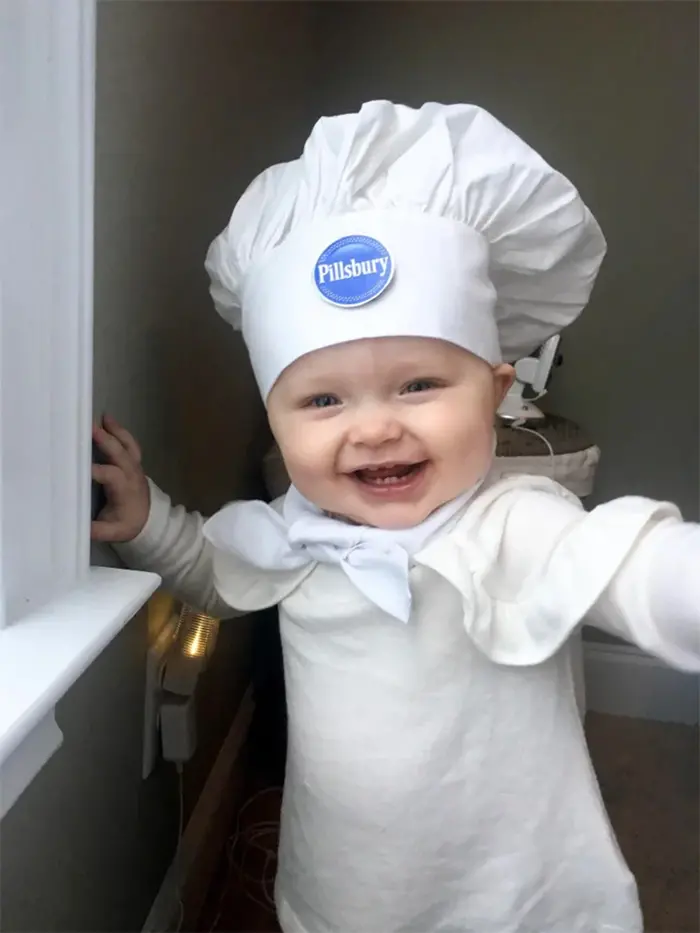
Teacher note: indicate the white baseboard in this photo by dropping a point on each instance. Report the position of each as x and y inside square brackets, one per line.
[201, 827]
[623, 681]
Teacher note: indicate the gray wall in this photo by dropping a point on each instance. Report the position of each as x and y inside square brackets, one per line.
[192, 100]
[608, 92]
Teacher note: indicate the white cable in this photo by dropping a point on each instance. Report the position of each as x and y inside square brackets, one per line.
[536, 398]
[254, 838]
[518, 426]
[180, 833]
[181, 795]
[251, 839]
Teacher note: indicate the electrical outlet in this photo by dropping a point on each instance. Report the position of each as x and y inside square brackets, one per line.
[155, 661]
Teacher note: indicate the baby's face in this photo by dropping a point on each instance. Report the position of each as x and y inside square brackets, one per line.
[386, 430]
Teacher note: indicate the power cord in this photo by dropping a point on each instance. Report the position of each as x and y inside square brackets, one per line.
[260, 837]
[180, 834]
[519, 426]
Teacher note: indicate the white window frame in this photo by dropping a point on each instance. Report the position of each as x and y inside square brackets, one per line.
[56, 613]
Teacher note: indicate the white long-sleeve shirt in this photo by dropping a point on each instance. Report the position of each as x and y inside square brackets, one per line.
[438, 778]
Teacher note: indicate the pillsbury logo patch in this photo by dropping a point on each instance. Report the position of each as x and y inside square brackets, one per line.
[353, 271]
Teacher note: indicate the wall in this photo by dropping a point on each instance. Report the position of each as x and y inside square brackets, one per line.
[192, 100]
[607, 92]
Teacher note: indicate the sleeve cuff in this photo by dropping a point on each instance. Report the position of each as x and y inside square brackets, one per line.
[141, 548]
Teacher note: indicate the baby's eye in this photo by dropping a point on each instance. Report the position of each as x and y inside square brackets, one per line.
[421, 385]
[323, 401]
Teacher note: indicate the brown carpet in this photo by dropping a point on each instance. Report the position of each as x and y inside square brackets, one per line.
[649, 775]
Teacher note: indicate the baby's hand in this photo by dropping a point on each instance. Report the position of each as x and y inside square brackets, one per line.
[124, 482]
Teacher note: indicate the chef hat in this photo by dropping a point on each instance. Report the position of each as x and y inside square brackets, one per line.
[437, 222]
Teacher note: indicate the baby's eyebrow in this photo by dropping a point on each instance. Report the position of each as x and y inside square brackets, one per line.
[418, 368]
[320, 383]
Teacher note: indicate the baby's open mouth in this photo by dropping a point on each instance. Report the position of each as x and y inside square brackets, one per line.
[390, 474]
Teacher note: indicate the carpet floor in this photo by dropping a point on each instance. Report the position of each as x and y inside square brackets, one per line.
[648, 773]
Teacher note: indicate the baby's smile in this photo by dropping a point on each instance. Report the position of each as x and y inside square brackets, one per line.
[384, 431]
[391, 479]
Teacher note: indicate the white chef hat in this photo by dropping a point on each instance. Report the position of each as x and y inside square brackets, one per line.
[437, 222]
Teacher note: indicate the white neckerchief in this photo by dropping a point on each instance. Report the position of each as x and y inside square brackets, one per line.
[374, 559]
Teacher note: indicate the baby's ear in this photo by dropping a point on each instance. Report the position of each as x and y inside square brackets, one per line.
[503, 378]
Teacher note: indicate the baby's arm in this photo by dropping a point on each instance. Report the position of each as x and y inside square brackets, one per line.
[172, 544]
[630, 567]
[654, 599]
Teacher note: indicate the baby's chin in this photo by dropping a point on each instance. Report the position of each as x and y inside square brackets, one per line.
[390, 516]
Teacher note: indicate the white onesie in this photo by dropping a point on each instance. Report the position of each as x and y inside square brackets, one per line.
[438, 779]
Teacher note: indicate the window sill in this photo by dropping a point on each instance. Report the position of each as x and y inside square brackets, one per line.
[42, 657]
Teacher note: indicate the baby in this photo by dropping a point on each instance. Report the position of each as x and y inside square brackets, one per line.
[437, 777]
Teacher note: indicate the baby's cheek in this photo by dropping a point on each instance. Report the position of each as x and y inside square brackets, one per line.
[307, 462]
[474, 451]
[301, 471]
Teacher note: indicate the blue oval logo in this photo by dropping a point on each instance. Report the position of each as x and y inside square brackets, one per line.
[353, 271]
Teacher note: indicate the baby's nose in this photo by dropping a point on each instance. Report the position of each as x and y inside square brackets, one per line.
[374, 426]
